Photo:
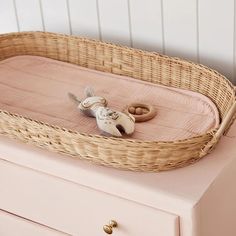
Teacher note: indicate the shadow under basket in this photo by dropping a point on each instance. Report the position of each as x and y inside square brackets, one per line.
[120, 153]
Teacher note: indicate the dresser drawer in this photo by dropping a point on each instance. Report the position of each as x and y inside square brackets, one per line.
[11, 225]
[76, 209]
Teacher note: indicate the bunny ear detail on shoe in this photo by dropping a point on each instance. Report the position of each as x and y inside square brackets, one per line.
[89, 92]
[74, 98]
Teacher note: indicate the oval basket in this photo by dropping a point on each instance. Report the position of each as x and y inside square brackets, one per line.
[116, 152]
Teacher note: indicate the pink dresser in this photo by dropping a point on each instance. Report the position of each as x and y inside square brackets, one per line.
[43, 193]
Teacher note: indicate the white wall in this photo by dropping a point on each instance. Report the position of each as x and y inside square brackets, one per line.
[199, 30]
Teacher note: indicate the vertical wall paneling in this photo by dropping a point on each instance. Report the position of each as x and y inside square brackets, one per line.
[216, 24]
[8, 21]
[146, 22]
[29, 16]
[114, 20]
[84, 18]
[198, 30]
[180, 28]
[55, 14]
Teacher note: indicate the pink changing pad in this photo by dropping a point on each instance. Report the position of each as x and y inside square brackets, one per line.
[37, 87]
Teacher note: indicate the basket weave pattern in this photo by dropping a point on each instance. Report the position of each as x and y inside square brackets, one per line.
[116, 152]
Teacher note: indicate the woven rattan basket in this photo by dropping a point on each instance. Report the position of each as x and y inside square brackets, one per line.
[116, 152]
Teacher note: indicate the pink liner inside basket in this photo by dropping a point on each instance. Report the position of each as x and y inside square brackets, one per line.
[37, 87]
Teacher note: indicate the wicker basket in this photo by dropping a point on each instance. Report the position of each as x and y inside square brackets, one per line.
[116, 152]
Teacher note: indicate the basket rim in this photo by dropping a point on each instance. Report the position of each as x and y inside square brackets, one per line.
[153, 54]
[175, 60]
[90, 136]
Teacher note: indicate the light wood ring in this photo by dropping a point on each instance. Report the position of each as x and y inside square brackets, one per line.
[144, 117]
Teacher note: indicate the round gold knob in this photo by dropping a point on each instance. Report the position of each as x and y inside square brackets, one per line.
[109, 228]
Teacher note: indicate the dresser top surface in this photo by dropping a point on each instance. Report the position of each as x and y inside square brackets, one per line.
[171, 190]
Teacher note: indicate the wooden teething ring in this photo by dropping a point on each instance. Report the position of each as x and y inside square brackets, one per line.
[141, 112]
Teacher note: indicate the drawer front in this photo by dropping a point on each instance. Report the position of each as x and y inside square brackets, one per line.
[76, 209]
[11, 225]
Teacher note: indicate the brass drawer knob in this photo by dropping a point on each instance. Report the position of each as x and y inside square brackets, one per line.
[109, 228]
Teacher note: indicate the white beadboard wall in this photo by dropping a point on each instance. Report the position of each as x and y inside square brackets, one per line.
[203, 31]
